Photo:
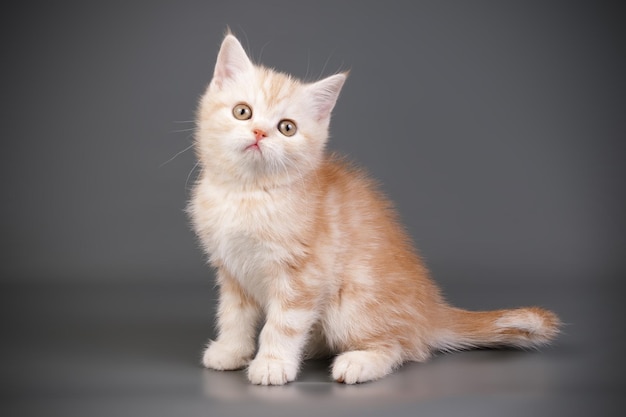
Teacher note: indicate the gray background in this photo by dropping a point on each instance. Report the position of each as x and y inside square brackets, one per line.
[496, 127]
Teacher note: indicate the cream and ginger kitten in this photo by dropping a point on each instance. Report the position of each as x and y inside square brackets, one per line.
[303, 241]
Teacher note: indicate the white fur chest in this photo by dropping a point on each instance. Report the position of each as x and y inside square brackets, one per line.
[251, 233]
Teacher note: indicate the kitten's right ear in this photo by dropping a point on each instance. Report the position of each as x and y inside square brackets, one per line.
[231, 61]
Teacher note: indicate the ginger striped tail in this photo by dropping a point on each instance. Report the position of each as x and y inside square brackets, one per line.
[527, 327]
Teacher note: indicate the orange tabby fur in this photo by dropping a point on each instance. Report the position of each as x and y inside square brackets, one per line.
[313, 246]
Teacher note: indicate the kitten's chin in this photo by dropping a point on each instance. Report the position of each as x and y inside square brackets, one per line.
[254, 155]
[259, 172]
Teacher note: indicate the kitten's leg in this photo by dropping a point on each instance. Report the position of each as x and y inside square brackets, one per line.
[237, 318]
[281, 343]
[365, 365]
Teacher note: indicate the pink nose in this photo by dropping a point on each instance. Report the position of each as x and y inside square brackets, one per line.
[259, 134]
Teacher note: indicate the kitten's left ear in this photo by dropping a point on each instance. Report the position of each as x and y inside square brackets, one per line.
[324, 94]
[231, 61]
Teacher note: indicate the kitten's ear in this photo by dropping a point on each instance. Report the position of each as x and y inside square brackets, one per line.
[231, 61]
[324, 94]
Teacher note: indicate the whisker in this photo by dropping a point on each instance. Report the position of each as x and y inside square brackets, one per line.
[191, 172]
[327, 61]
[183, 130]
[178, 153]
[308, 64]
[262, 48]
[245, 35]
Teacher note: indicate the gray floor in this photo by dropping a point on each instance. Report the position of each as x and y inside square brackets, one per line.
[133, 349]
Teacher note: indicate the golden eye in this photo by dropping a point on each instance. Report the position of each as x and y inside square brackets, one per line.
[287, 127]
[242, 111]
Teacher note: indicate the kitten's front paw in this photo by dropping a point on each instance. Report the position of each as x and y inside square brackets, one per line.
[265, 371]
[223, 357]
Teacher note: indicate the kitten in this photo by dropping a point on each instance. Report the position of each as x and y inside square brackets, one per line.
[305, 240]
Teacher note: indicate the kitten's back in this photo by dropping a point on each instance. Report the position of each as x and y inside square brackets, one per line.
[386, 286]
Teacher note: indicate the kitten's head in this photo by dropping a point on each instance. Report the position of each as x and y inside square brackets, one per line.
[260, 127]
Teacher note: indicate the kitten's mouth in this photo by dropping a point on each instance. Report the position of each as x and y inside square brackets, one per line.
[254, 147]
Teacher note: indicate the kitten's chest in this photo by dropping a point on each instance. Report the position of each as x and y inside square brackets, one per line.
[248, 232]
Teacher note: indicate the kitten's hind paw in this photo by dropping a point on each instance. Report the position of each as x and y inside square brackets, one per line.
[361, 366]
[223, 357]
[266, 371]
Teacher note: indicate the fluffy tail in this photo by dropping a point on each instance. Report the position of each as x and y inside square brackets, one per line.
[521, 327]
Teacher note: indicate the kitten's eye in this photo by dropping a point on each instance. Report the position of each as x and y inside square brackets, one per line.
[287, 127]
[242, 112]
